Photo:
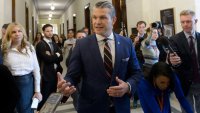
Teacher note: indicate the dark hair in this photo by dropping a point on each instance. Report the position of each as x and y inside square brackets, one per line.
[84, 28]
[81, 31]
[45, 26]
[36, 38]
[106, 4]
[141, 22]
[54, 39]
[161, 69]
[70, 30]
[5, 26]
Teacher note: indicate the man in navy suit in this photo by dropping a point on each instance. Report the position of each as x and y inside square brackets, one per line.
[100, 93]
[186, 60]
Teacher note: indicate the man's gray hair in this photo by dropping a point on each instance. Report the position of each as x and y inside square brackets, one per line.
[187, 12]
[106, 4]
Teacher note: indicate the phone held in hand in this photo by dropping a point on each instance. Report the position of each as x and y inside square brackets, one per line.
[35, 103]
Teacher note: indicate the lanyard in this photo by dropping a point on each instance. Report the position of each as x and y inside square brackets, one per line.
[160, 100]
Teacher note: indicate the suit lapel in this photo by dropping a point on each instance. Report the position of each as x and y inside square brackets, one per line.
[94, 48]
[198, 45]
[185, 43]
[117, 54]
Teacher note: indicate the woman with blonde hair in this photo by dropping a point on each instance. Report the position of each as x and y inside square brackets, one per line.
[20, 58]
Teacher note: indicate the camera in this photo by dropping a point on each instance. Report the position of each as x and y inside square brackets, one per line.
[157, 25]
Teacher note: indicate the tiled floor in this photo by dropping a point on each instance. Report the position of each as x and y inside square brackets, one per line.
[68, 107]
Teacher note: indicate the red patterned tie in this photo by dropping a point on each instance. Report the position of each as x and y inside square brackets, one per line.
[108, 59]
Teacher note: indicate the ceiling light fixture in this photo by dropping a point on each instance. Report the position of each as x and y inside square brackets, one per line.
[52, 6]
[50, 15]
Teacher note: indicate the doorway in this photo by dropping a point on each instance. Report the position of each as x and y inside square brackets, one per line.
[27, 20]
[121, 23]
[87, 18]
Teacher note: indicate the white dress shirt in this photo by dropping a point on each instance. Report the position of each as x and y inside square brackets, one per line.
[111, 44]
[22, 63]
[194, 41]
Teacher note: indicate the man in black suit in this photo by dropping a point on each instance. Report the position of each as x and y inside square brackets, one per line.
[186, 59]
[141, 25]
[141, 35]
[49, 56]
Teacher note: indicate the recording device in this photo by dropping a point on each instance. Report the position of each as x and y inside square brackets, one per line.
[166, 45]
[157, 25]
[35, 103]
[51, 103]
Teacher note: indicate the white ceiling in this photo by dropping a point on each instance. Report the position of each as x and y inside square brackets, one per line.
[43, 8]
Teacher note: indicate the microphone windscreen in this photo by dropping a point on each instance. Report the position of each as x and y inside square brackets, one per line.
[166, 44]
[164, 41]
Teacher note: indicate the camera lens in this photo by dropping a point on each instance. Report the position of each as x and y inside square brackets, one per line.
[155, 25]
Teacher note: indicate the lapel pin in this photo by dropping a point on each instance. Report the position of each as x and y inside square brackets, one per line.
[118, 42]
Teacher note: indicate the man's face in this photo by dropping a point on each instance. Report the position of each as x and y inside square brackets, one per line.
[80, 35]
[102, 21]
[141, 28]
[48, 32]
[70, 34]
[188, 23]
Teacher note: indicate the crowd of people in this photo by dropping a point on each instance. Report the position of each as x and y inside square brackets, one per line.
[104, 69]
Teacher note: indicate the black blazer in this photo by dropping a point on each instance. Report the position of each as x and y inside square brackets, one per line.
[10, 92]
[47, 62]
[181, 46]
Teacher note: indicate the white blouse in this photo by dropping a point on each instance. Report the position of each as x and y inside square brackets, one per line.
[23, 63]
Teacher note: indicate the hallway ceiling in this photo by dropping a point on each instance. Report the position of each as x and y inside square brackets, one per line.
[43, 8]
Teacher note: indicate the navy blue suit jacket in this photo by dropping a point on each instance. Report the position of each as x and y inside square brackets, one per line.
[181, 46]
[86, 63]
